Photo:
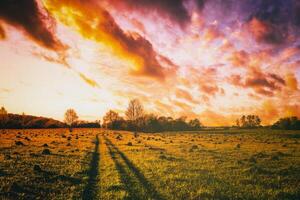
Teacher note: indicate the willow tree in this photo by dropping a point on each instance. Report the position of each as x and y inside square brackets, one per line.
[71, 118]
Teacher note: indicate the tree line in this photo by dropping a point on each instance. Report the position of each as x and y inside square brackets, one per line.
[15, 121]
[136, 119]
[288, 123]
[248, 121]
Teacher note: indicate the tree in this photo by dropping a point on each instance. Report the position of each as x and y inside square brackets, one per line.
[180, 124]
[289, 123]
[243, 121]
[70, 118]
[238, 123]
[110, 119]
[248, 121]
[3, 117]
[195, 124]
[152, 124]
[135, 112]
[257, 121]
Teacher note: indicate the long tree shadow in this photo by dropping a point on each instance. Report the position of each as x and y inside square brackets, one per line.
[91, 189]
[128, 181]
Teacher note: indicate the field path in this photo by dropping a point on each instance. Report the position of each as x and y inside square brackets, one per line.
[134, 181]
[92, 189]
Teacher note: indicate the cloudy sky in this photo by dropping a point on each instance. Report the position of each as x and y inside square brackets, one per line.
[210, 59]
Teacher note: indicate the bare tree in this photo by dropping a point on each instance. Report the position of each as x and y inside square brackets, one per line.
[70, 118]
[3, 118]
[135, 112]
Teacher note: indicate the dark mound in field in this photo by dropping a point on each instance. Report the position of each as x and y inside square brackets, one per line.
[19, 143]
[46, 152]
[37, 168]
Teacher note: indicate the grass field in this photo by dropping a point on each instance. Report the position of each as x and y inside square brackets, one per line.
[101, 164]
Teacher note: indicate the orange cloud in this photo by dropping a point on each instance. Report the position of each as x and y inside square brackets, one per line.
[289, 53]
[264, 31]
[292, 110]
[2, 33]
[89, 81]
[211, 118]
[205, 79]
[138, 25]
[183, 94]
[261, 83]
[291, 82]
[95, 23]
[226, 46]
[271, 111]
[239, 58]
[181, 105]
[166, 109]
[211, 34]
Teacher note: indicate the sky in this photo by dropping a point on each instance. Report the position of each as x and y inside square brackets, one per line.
[209, 59]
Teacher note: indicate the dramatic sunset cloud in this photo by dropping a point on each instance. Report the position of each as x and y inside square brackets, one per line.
[174, 10]
[95, 23]
[31, 18]
[210, 59]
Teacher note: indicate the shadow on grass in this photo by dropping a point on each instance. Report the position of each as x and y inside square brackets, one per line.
[134, 190]
[91, 189]
[52, 177]
[127, 180]
[27, 191]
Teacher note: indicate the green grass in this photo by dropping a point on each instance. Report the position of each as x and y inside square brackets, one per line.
[210, 164]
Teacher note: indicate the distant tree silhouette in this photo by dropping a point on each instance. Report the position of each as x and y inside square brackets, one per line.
[110, 119]
[3, 118]
[238, 123]
[153, 123]
[288, 123]
[86, 124]
[248, 121]
[70, 118]
[23, 121]
[195, 124]
[180, 124]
